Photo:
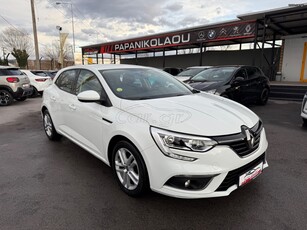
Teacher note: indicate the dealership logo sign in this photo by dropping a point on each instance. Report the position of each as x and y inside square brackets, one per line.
[226, 32]
[248, 29]
[201, 35]
[223, 32]
[154, 42]
[211, 34]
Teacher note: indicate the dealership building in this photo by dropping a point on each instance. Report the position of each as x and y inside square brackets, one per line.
[275, 40]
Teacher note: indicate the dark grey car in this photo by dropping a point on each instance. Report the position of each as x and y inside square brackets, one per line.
[244, 84]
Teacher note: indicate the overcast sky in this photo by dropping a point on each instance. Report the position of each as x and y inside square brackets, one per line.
[99, 21]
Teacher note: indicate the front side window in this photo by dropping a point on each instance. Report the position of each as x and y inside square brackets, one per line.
[141, 84]
[66, 81]
[88, 81]
[241, 74]
[253, 72]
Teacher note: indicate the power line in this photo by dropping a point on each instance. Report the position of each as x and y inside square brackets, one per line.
[13, 25]
[20, 31]
[77, 16]
[87, 22]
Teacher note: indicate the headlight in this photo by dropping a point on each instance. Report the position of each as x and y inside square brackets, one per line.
[168, 141]
[213, 91]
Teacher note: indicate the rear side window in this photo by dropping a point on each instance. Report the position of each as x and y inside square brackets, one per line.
[253, 72]
[67, 80]
[40, 73]
[10, 72]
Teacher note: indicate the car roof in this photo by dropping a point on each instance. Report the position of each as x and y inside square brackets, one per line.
[199, 67]
[235, 66]
[8, 67]
[108, 66]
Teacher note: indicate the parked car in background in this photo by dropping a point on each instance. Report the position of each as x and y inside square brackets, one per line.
[190, 72]
[39, 81]
[154, 131]
[13, 85]
[172, 70]
[304, 110]
[244, 84]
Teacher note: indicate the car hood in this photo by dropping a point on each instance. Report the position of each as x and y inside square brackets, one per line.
[206, 85]
[199, 114]
[183, 77]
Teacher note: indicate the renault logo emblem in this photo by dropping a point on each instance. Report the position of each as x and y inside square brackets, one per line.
[249, 137]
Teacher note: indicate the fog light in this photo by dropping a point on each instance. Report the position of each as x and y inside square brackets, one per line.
[189, 182]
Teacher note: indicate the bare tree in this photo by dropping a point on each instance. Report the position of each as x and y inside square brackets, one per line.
[53, 52]
[18, 43]
[12, 38]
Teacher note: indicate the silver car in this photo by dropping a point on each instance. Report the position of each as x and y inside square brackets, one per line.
[13, 85]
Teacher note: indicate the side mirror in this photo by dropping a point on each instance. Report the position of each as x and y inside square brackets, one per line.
[238, 80]
[188, 80]
[89, 96]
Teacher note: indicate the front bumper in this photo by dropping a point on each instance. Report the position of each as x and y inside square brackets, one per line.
[216, 163]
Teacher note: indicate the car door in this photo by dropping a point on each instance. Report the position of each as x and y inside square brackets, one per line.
[254, 82]
[60, 97]
[86, 119]
[239, 85]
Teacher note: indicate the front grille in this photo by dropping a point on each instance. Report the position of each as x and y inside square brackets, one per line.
[233, 176]
[241, 147]
[238, 143]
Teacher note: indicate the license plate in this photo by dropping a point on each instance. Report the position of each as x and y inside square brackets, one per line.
[26, 85]
[250, 174]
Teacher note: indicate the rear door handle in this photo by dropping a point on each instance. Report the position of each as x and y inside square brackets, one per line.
[72, 107]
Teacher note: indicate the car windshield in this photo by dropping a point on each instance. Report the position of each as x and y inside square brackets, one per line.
[141, 84]
[10, 72]
[190, 72]
[215, 74]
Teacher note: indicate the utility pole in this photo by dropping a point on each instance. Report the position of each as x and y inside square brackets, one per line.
[35, 35]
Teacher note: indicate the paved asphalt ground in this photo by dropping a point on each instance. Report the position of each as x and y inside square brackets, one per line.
[58, 185]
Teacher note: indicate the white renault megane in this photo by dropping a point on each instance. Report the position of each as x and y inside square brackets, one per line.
[154, 131]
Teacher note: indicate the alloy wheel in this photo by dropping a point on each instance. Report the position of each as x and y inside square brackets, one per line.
[48, 125]
[4, 98]
[127, 169]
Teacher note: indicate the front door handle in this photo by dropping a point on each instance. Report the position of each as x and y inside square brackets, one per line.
[72, 107]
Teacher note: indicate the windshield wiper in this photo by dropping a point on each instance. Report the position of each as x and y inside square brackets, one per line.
[195, 91]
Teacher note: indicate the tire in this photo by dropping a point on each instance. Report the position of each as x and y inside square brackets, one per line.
[264, 96]
[35, 92]
[304, 122]
[6, 98]
[21, 99]
[129, 169]
[49, 127]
